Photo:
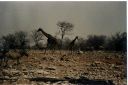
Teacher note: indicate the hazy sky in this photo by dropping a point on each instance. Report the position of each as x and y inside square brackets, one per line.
[87, 17]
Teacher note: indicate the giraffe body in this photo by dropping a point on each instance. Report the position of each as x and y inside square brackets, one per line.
[52, 42]
[71, 45]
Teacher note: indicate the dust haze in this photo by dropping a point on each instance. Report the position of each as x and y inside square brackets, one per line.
[87, 17]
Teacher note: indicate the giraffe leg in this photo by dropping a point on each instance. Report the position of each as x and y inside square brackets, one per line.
[59, 49]
[53, 48]
[72, 49]
[48, 47]
[0, 62]
[45, 50]
[69, 50]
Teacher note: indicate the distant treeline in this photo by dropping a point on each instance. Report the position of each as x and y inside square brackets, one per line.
[20, 40]
[116, 42]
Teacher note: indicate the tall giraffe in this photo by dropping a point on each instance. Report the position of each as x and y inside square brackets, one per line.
[52, 42]
[71, 44]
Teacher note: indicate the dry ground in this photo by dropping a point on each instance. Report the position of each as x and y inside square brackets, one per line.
[54, 68]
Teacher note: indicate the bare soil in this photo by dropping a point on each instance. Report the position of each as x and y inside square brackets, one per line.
[88, 68]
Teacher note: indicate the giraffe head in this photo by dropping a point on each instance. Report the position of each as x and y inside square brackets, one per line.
[76, 37]
[39, 29]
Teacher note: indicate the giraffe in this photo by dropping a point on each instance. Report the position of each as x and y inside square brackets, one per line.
[52, 42]
[72, 43]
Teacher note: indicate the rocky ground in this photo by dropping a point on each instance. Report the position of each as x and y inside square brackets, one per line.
[89, 68]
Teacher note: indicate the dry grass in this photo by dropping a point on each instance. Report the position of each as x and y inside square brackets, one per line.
[92, 65]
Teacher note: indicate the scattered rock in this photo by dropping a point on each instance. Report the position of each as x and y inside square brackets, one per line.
[61, 58]
[54, 68]
[50, 68]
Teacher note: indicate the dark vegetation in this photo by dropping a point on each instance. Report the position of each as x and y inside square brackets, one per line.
[17, 42]
[20, 41]
[116, 42]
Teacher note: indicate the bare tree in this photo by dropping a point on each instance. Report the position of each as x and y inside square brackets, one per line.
[64, 27]
[36, 37]
[21, 39]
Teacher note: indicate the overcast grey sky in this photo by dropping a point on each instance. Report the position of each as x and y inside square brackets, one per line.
[87, 17]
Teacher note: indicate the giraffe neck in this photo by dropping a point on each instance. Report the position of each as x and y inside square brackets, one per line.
[75, 39]
[46, 34]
